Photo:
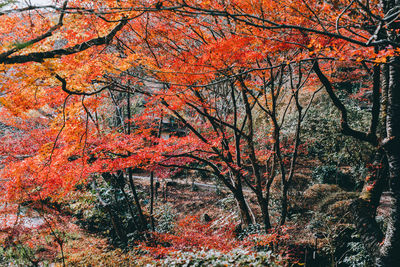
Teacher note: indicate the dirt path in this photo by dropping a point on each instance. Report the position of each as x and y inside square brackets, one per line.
[203, 186]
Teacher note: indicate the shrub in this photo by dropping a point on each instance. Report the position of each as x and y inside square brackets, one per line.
[316, 193]
[165, 219]
[356, 254]
[100, 216]
[17, 255]
[252, 229]
[215, 258]
[337, 204]
[325, 142]
[330, 174]
[93, 256]
[190, 234]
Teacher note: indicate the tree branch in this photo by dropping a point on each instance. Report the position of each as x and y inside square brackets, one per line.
[346, 129]
[40, 56]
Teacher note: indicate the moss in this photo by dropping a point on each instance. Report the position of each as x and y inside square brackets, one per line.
[316, 193]
[326, 204]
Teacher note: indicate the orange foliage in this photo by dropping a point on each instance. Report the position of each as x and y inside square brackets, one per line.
[174, 43]
[190, 234]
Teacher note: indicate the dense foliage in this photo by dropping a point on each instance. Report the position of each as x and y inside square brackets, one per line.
[290, 107]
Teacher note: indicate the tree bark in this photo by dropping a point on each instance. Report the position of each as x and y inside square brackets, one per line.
[245, 215]
[385, 247]
[389, 252]
[143, 223]
[263, 202]
[152, 199]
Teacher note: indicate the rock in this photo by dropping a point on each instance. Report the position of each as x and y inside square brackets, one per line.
[206, 217]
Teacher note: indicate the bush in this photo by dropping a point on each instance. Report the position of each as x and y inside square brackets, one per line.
[103, 257]
[19, 255]
[100, 216]
[356, 254]
[330, 174]
[330, 200]
[219, 259]
[252, 229]
[316, 193]
[165, 219]
[337, 204]
[326, 142]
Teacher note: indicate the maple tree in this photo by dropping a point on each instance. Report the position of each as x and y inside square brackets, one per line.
[214, 66]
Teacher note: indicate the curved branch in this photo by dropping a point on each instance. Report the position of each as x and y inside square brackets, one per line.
[40, 56]
[65, 89]
[346, 129]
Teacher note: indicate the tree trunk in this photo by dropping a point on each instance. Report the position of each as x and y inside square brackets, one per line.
[284, 204]
[152, 199]
[389, 252]
[385, 247]
[245, 214]
[263, 202]
[243, 209]
[137, 202]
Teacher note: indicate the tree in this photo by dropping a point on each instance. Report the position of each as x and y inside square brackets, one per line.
[246, 94]
[186, 46]
[355, 32]
[379, 33]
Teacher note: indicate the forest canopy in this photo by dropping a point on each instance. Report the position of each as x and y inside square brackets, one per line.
[291, 107]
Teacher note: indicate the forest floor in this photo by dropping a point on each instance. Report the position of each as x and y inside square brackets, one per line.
[207, 203]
